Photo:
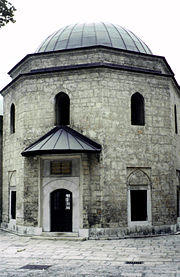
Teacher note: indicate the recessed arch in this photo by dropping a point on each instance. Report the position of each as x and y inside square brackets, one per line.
[138, 177]
[62, 109]
[137, 109]
[12, 194]
[139, 198]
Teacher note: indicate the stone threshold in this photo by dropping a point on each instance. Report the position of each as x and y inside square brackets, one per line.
[59, 236]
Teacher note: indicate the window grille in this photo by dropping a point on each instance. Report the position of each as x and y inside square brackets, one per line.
[61, 167]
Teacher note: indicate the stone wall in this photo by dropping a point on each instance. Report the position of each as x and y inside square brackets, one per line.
[100, 101]
[90, 55]
[31, 191]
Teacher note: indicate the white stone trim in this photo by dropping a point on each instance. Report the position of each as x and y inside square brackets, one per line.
[148, 222]
[48, 186]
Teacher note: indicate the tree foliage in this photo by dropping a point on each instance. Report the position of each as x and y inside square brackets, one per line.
[6, 12]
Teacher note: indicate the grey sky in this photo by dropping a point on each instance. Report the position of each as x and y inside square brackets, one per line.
[156, 22]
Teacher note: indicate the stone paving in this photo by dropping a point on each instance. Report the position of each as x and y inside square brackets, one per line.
[147, 257]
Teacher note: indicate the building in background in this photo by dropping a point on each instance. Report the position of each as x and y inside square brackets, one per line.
[91, 137]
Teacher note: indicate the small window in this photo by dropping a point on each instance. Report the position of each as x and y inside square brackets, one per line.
[175, 120]
[137, 109]
[13, 204]
[138, 205]
[61, 167]
[62, 109]
[12, 119]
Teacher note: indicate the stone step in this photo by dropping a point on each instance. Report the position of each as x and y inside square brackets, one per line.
[59, 236]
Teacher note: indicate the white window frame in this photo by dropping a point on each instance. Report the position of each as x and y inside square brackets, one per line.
[147, 222]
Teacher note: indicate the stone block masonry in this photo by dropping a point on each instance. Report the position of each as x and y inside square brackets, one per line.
[100, 96]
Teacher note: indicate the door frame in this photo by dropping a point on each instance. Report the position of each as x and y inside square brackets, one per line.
[69, 183]
[147, 222]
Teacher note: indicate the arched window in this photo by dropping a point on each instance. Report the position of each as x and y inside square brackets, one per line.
[137, 109]
[12, 119]
[62, 109]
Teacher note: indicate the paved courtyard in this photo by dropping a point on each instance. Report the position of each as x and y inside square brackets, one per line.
[141, 257]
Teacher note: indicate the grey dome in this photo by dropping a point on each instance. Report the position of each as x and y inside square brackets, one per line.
[91, 34]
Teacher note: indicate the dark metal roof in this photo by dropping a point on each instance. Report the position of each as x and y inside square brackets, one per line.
[62, 139]
[90, 34]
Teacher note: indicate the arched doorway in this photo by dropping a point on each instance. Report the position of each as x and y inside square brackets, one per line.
[61, 210]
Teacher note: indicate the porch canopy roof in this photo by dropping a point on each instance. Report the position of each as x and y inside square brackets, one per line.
[62, 139]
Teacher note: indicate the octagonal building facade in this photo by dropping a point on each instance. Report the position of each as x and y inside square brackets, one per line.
[91, 137]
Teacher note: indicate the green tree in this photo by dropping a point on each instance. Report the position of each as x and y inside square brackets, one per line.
[6, 12]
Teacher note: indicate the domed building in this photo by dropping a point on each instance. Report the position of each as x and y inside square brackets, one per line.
[91, 137]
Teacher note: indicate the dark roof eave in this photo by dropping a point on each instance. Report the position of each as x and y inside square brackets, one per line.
[90, 66]
[51, 152]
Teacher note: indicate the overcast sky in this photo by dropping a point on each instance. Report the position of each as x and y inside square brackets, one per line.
[156, 22]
